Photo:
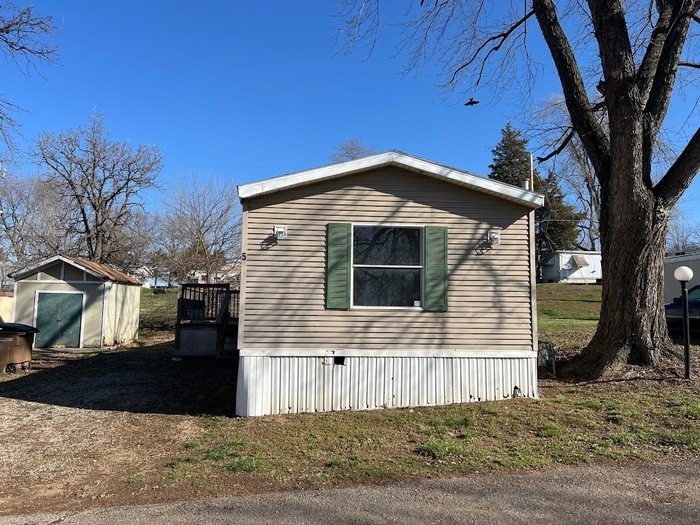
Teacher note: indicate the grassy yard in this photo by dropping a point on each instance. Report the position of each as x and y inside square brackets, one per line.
[136, 426]
[649, 419]
[158, 311]
[567, 315]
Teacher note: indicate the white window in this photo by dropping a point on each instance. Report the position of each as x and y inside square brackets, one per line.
[387, 266]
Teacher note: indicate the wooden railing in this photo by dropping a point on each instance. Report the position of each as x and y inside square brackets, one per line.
[203, 302]
[222, 322]
[203, 308]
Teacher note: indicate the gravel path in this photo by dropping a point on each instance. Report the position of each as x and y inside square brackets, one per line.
[658, 494]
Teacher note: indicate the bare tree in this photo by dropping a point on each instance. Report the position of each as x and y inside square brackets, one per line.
[547, 125]
[25, 38]
[578, 175]
[54, 223]
[634, 54]
[34, 224]
[15, 219]
[551, 127]
[101, 180]
[201, 228]
[683, 233]
[351, 149]
[135, 242]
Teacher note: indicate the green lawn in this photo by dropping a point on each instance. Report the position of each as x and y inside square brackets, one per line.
[158, 311]
[567, 314]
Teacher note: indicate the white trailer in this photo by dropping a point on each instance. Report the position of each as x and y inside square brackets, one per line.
[571, 266]
[672, 288]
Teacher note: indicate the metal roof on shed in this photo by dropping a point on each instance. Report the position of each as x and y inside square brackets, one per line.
[99, 270]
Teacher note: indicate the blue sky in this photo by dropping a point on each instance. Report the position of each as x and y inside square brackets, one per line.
[245, 90]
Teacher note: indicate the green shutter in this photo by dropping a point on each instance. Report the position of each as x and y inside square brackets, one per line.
[338, 267]
[436, 268]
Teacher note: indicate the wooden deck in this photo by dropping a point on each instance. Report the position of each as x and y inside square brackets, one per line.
[207, 320]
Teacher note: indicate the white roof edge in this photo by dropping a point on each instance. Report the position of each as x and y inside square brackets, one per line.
[583, 252]
[681, 258]
[461, 178]
[43, 264]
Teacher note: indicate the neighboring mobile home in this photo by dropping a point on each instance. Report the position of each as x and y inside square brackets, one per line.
[672, 288]
[77, 303]
[386, 281]
[571, 266]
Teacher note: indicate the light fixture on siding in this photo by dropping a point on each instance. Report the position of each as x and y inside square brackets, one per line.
[494, 237]
[280, 232]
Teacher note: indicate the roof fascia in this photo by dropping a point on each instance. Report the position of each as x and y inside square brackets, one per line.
[35, 269]
[461, 178]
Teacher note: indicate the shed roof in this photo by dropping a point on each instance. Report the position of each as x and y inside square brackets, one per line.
[393, 158]
[99, 270]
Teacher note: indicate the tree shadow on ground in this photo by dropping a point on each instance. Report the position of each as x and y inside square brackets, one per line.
[144, 379]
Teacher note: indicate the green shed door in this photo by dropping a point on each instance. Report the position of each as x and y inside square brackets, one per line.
[58, 318]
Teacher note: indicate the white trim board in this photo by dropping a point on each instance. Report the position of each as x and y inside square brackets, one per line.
[57, 281]
[402, 352]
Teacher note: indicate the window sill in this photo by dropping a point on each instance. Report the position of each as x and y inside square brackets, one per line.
[410, 308]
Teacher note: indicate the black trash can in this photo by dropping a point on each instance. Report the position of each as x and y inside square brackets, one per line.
[16, 341]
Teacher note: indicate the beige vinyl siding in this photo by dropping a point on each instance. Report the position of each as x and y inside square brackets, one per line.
[284, 284]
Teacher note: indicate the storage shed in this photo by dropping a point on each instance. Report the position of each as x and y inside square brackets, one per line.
[386, 281]
[572, 266]
[77, 303]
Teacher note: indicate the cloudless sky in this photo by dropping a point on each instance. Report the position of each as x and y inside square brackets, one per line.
[247, 90]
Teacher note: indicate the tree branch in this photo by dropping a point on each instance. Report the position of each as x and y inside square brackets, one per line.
[500, 38]
[681, 173]
[650, 62]
[565, 140]
[580, 109]
[659, 94]
[23, 34]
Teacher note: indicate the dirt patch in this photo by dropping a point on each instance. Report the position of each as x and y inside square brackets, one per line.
[78, 429]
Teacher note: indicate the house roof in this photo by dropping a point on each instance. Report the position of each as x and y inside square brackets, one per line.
[99, 270]
[393, 158]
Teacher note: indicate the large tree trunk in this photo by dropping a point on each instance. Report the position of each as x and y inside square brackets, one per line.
[632, 327]
[634, 222]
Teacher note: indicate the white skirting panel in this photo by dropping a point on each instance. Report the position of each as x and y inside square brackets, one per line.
[289, 384]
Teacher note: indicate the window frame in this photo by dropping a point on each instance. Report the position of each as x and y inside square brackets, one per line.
[421, 228]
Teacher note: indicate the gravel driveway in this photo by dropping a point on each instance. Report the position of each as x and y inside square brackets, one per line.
[656, 494]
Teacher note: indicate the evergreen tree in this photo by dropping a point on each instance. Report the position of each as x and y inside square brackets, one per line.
[511, 160]
[556, 223]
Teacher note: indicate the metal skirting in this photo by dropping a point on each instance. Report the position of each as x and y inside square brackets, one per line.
[280, 385]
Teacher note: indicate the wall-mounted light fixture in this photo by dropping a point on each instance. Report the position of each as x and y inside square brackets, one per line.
[494, 237]
[280, 232]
